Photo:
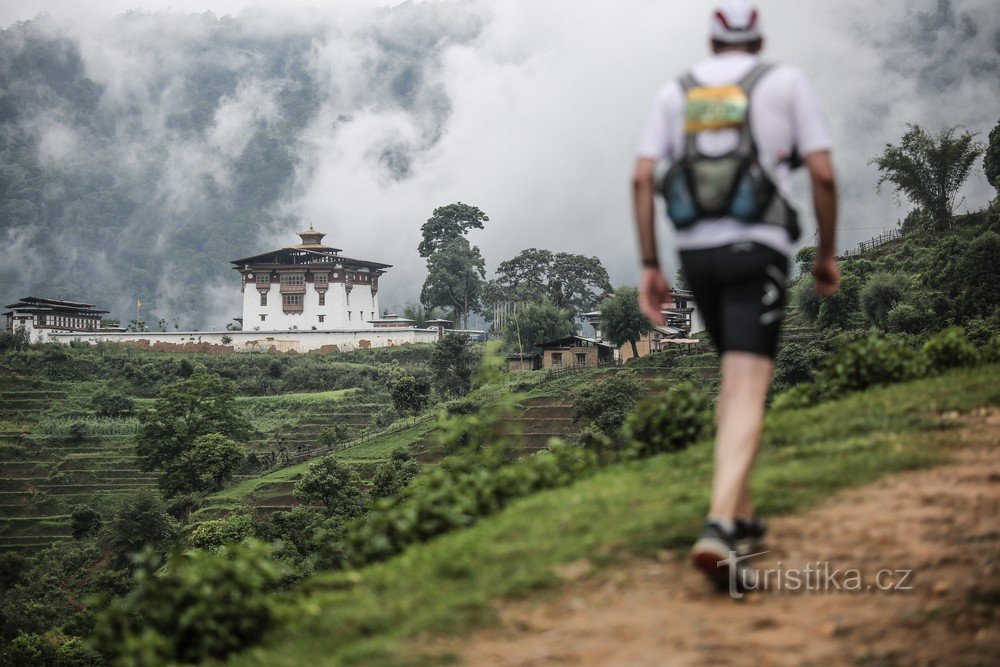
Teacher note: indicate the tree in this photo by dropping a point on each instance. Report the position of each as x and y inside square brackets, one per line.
[337, 487]
[535, 323]
[410, 394]
[112, 405]
[448, 223]
[140, 520]
[215, 458]
[929, 170]
[574, 282]
[419, 314]
[880, 294]
[621, 319]
[980, 276]
[606, 404]
[991, 161]
[85, 521]
[452, 364]
[455, 277]
[393, 475]
[841, 309]
[200, 405]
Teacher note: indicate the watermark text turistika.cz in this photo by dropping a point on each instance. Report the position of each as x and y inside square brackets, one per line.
[814, 577]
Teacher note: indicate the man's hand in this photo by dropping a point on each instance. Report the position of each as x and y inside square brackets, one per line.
[826, 276]
[653, 293]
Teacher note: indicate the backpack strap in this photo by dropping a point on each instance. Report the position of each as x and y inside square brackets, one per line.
[747, 144]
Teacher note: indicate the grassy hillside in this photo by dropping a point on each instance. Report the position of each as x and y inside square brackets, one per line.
[446, 585]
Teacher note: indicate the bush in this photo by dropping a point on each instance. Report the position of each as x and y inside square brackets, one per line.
[113, 406]
[948, 349]
[909, 316]
[199, 605]
[795, 363]
[667, 422]
[799, 396]
[880, 295]
[215, 533]
[840, 309]
[85, 521]
[990, 352]
[333, 435]
[606, 404]
[981, 329]
[335, 486]
[140, 520]
[456, 492]
[864, 363]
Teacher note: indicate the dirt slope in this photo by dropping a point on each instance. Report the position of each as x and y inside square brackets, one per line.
[942, 523]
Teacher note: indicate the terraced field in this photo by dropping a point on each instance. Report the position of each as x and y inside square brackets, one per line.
[48, 466]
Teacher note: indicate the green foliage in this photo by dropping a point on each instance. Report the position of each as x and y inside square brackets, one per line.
[410, 395]
[979, 273]
[800, 396]
[864, 363]
[215, 533]
[111, 405]
[621, 320]
[606, 404]
[140, 520]
[333, 435]
[456, 274]
[881, 293]
[18, 339]
[334, 485]
[12, 566]
[912, 315]
[801, 294]
[667, 422]
[201, 405]
[534, 323]
[448, 223]
[85, 521]
[948, 349]
[841, 309]
[572, 282]
[795, 363]
[929, 170]
[981, 329]
[805, 258]
[458, 491]
[393, 475]
[199, 605]
[214, 458]
[991, 159]
[453, 364]
[990, 352]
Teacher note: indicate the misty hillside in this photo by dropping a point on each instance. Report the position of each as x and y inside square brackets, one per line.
[144, 189]
[139, 154]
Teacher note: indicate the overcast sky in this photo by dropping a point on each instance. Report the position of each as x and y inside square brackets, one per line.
[547, 102]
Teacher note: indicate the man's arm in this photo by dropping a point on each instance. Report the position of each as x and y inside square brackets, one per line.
[653, 287]
[824, 193]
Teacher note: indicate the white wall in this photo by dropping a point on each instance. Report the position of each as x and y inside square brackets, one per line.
[258, 341]
[361, 305]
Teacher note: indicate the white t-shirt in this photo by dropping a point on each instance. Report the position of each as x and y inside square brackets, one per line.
[783, 114]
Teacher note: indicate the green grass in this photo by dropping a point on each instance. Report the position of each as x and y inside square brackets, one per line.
[299, 398]
[448, 585]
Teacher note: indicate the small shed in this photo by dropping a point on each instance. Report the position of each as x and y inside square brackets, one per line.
[529, 361]
[575, 352]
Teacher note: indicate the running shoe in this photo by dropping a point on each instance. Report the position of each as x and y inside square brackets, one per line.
[715, 555]
[748, 535]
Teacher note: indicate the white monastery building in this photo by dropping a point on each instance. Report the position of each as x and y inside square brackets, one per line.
[309, 286]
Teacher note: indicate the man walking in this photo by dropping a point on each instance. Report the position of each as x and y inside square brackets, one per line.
[733, 128]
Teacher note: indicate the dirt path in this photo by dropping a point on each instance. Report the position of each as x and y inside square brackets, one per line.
[943, 523]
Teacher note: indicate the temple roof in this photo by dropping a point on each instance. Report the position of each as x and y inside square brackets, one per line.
[311, 252]
[41, 304]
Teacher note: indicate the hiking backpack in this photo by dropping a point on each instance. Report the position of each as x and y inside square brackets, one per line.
[734, 184]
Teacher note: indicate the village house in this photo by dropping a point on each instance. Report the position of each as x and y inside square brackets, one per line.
[40, 317]
[682, 322]
[576, 352]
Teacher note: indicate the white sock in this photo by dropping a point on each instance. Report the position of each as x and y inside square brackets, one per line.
[725, 524]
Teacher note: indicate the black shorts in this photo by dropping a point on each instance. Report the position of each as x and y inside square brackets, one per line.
[740, 291]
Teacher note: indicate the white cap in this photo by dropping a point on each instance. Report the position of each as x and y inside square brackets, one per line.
[735, 22]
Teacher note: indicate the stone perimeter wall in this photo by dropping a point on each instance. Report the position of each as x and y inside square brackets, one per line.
[254, 341]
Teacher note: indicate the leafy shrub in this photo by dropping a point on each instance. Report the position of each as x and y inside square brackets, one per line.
[880, 294]
[990, 352]
[383, 417]
[795, 363]
[981, 329]
[840, 309]
[78, 431]
[199, 605]
[140, 520]
[463, 406]
[668, 421]
[606, 404]
[456, 492]
[864, 363]
[335, 486]
[85, 521]
[112, 406]
[333, 435]
[948, 349]
[214, 533]
[799, 396]
[908, 316]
